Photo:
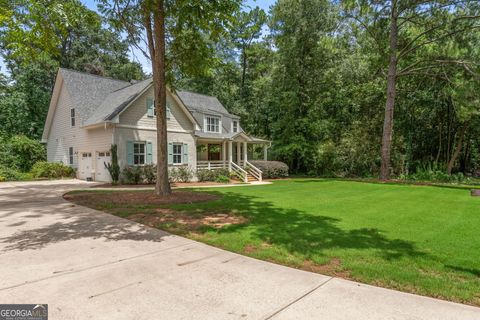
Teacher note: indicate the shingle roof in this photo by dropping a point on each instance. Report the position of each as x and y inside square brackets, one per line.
[116, 102]
[200, 102]
[87, 90]
[97, 99]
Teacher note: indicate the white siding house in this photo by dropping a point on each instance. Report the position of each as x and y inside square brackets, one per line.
[89, 113]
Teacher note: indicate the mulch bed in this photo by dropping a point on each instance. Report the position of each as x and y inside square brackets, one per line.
[175, 184]
[476, 193]
[89, 199]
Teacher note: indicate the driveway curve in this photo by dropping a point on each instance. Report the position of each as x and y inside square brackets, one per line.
[86, 264]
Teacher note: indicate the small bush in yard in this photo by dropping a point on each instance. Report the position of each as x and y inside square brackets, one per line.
[113, 167]
[181, 174]
[150, 173]
[271, 169]
[132, 175]
[52, 170]
[211, 175]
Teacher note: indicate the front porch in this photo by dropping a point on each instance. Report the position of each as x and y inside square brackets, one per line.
[232, 154]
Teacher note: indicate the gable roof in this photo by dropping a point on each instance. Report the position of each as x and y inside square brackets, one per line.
[114, 103]
[100, 99]
[87, 91]
[201, 103]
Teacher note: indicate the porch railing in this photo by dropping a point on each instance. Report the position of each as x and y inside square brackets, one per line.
[254, 171]
[216, 164]
[239, 172]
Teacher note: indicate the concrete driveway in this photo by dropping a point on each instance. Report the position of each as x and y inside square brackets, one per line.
[90, 265]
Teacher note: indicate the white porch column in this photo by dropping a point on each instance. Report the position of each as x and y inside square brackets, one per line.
[239, 153]
[230, 148]
[224, 152]
[244, 152]
[265, 152]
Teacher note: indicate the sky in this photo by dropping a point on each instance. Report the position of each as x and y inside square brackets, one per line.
[136, 55]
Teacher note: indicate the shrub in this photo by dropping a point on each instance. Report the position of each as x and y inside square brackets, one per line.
[21, 152]
[150, 173]
[181, 174]
[211, 175]
[271, 169]
[132, 175]
[9, 174]
[113, 167]
[52, 170]
[435, 173]
[222, 179]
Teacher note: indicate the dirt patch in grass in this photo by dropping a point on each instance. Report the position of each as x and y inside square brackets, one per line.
[90, 199]
[188, 222]
[332, 268]
[146, 208]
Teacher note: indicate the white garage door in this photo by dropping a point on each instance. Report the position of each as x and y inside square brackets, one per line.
[85, 165]
[102, 173]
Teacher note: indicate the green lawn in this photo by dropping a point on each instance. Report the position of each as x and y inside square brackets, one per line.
[418, 239]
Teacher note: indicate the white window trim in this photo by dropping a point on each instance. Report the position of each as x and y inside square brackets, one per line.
[233, 126]
[139, 154]
[219, 123]
[176, 154]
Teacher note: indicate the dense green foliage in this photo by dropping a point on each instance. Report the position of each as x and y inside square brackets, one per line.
[52, 170]
[315, 84]
[18, 154]
[37, 37]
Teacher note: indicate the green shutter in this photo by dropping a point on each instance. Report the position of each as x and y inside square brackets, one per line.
[170, 153]
[185, 153]
[150, 107]
[130, 153]
[169, 113]
[149, 153]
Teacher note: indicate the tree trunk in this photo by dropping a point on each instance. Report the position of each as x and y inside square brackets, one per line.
[156, 41]
[458, 148]
[244, 66]
[391, 93]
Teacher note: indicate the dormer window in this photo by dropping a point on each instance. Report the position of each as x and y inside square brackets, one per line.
[212, 124]
[235, 126]
[72, 117]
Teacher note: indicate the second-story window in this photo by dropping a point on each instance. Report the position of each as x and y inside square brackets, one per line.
[213, 124]
[235, 126]
[72, 117]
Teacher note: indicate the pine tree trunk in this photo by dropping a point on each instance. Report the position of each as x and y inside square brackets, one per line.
[156, 41]
[390, 104]
[458, 148]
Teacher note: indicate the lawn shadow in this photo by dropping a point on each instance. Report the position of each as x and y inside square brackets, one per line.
[305, 233]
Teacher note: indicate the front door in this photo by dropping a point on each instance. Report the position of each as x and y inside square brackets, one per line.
[214, 152]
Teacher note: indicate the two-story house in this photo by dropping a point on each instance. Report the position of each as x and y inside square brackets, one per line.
[89, 113]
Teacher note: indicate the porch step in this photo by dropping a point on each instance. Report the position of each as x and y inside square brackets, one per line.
[251, 178]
